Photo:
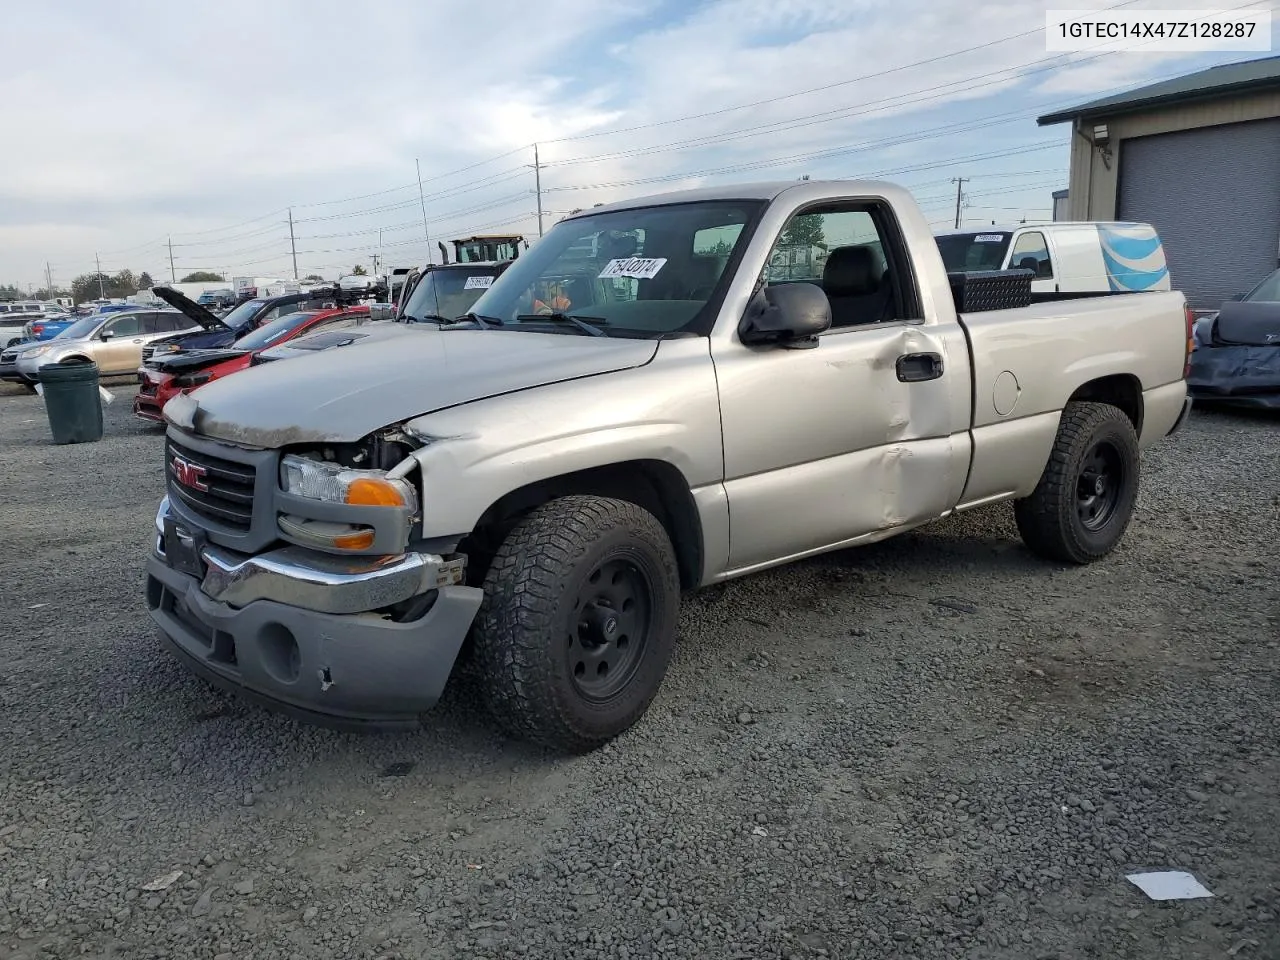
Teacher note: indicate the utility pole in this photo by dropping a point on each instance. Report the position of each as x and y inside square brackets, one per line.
[537, 180]
[293, 246]
[102, 293]
[380, 260]
[426, 232]
[48, 279]
[173, 274]
[959, 182]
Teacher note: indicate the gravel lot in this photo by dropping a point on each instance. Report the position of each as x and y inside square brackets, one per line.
[937, 747]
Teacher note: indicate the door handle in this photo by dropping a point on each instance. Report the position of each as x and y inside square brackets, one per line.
[915, 367]
[139, 340]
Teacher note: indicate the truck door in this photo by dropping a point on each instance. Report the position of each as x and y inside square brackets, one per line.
[861, 435]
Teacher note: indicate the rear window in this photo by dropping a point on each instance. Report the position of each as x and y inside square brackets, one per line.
[966, 252]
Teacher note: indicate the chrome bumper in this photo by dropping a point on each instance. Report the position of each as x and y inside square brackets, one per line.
[315, 581]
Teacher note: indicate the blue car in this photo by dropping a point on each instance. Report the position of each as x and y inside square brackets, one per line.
[46, 328]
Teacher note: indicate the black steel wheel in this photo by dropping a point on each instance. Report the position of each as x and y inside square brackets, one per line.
[609, 628]
[578, 621]
[1082, 505]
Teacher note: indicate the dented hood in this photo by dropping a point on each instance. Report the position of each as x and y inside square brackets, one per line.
[342, 395]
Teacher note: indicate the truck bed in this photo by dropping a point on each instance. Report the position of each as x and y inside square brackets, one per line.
[1026, 363]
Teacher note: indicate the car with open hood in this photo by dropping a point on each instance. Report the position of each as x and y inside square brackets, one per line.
[182, 372]
[214, 332]
[1237, 351]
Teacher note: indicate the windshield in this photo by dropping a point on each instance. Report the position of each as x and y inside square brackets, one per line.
[965, 252]
[1268, 290]
[643, 272]
[275, 331]
[242, 314]
[447, 293]
[81, 328]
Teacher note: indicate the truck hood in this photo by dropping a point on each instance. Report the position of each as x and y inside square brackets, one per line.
[337, 396]
[179, 301]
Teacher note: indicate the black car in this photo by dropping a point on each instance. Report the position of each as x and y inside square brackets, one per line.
[1236, 359]
[219, 332]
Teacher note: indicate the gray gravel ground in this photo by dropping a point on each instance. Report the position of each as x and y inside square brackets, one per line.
[937, 747]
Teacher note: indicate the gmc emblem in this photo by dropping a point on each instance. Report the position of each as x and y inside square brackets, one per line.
[189, 474]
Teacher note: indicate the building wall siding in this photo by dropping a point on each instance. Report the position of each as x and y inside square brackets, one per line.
[1094, 179]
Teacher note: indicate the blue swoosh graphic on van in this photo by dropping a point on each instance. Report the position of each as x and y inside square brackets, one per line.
[1133, 262]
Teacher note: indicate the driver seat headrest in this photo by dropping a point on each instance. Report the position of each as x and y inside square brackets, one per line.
[851, 271]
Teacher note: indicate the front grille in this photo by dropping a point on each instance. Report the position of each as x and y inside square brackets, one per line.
[9, 357]
[228, 501]
[148, 389]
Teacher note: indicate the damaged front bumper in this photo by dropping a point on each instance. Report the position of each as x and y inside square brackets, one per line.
[309, 634]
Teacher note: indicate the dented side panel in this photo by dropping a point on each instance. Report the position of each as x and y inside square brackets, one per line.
[826, 446]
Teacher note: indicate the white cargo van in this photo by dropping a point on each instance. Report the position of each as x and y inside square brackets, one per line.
[1068, 257]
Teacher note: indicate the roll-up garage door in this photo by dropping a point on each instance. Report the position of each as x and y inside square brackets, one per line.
[1214, 196]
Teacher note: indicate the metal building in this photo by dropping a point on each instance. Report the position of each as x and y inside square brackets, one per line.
[1197, 156]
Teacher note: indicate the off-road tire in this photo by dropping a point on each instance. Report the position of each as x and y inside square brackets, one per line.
[1050, 520]
[526, 623]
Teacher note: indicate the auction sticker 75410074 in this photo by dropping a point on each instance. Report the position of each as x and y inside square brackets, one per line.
[636, 268]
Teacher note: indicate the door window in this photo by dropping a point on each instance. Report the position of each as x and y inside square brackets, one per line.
[1030, 252]
[129, 325]
[841, 250]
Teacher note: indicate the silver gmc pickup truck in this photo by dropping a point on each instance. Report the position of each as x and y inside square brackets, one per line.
[659, 395]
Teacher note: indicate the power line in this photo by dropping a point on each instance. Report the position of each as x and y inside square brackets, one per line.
[829, 86]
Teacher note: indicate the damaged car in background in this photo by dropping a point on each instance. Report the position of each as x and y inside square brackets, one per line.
[1237, 351]
[172, 374]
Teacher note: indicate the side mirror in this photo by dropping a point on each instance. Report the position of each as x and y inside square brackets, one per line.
[1238, 296]
[790, 315]
[106, 335]
[1029, 263]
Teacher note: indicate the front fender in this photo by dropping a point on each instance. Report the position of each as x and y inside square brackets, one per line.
[479, 452]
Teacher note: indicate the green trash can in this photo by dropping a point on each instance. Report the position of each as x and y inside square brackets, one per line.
[72, 400]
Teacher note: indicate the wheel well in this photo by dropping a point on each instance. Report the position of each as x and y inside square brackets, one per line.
[74, 357]
[1121, 390]
[653, 485]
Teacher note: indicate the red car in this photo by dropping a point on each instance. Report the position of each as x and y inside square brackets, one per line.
[194, 368]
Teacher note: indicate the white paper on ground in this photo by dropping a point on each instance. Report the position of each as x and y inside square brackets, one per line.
[39, 387]
[1168, 885]
[107, 396]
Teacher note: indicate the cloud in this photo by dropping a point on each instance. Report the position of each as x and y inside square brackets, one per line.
[207, 127]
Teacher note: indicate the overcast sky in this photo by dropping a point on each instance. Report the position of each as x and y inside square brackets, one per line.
[131, 122]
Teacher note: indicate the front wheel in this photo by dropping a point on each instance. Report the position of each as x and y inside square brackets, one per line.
[578, 621]
[1083, 503]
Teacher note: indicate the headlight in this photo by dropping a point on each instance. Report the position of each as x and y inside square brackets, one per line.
[38, 351]
[334, 483]
[192, 380]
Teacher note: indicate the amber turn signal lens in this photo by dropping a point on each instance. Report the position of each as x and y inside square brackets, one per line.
[374, 492]
[354, 541]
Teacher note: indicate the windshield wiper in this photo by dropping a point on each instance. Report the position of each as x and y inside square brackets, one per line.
[426, 318]
[578, 322]
[480, 321]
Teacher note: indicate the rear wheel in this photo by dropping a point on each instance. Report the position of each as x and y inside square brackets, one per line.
[578, 622]
[1083, 503]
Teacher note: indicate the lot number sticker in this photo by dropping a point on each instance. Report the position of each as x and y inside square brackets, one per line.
[478, 283]
[635, 268]
[988, 238]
